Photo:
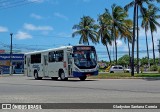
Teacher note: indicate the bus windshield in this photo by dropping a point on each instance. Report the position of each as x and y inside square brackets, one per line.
[85, 58]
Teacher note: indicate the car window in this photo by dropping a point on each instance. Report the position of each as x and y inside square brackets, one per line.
[120, 68]
[114, 67]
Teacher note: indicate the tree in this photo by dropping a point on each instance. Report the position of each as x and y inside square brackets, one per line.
[124, 60]
[153, 23]
[127, 36]
[104, 32]
[136, 4]
[87, 30]
[117, 19]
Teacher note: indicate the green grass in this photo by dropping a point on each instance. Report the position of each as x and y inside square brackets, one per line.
[124, 75]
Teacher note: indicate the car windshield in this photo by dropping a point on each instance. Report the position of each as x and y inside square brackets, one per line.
[85, 59]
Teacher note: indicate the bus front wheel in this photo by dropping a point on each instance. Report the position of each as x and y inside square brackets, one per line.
[54, 78]
[83, 78]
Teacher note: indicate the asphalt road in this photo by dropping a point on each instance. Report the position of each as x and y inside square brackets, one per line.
[22, 89]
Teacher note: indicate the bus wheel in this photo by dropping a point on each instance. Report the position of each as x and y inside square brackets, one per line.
[83, 78]
[36, 76]
[54, 78]
[62, 76]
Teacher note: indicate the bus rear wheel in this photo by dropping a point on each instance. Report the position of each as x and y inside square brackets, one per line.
[62, 76]
[83, 78]
[36, 76]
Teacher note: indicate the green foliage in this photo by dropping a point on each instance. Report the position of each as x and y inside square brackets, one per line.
[123, 75]
[141, 69]
[154, 68]
[87, 30]
[158, 70]
[144, 61]
[124, 60]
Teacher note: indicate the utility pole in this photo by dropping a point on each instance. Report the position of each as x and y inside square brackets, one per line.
[159, 51]
[11, 34]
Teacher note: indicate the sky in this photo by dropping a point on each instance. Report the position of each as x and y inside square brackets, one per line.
[44, 24]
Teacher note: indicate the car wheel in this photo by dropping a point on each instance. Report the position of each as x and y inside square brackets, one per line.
[111, 72]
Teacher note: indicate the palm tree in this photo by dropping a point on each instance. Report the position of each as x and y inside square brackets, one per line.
[104, 32]
[127, 36]
[136, 4]
[150, 21]
[87, 30]
[117, 18]
[145, 26]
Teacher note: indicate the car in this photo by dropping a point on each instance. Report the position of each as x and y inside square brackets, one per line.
[119, 69]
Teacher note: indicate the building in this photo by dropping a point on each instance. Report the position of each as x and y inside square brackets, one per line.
[17, 63]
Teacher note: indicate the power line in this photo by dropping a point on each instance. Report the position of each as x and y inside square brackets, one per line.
[16, 4]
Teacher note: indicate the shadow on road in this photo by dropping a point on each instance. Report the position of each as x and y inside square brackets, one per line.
[69, 80]
[151, 79]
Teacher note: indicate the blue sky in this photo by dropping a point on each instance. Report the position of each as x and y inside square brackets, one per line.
[43, 24]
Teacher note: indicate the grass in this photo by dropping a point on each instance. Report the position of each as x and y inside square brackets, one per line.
[124, 75]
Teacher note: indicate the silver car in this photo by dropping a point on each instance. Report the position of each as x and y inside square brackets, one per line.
[119, 69]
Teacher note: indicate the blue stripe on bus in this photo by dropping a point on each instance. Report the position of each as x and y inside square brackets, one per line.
[79, 74]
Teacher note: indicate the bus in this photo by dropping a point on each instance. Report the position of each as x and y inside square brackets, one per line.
[65, 62]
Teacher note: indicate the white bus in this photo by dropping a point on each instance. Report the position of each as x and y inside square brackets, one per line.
[64, 62]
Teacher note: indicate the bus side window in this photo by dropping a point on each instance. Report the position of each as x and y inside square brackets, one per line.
[51, 57]
[60, 56]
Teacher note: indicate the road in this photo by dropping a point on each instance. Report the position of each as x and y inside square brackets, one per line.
[22, 89]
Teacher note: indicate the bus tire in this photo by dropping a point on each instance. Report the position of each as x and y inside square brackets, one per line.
[83, 78]
[62, 76]
[36, 76]
[54, 78]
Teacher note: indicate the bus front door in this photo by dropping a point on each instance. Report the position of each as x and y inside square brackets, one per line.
[45, 66]
[69, 64]
[28, 69]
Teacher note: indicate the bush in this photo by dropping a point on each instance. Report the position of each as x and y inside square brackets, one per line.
[141, 69]
[154, 68]
[159, 70]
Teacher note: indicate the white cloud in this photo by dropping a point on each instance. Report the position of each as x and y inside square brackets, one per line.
[86, 0]
[36, 16]
[37, 28]
[59, 15]
[3, 29]
[22, 35]
[119, 43]
[38, 1]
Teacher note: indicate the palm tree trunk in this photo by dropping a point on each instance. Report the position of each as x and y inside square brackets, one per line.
[129, 52]
[108, 53]
[137, 44]
[133, 41]
[115, 43]
[153, 48]
[147, 47]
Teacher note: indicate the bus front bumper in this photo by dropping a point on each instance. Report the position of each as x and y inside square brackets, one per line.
[80, 74]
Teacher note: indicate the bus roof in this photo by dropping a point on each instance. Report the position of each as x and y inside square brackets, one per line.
[52, 49]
